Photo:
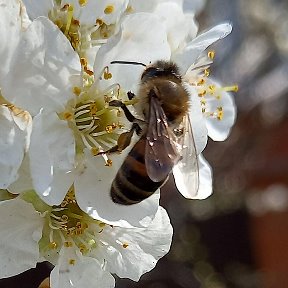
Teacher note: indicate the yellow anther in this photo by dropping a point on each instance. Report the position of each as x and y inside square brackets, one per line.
[129, 9]
[109, 128]
[95, 151]
[105, 35]
[125, 245]
[65, 7]
[203, 102]
[72, 261]
[206, 72]
[68, 244]
[108, 163]
[211, 54]
[68, 116]
[83, 61]
[77, 90]
[218, 97]
[202, 93]
[93, 109]
[76, 22]
[201, 82]
[109, 9]
[82, 2]
[99, 22]
[101, 224]
[212, 89]
[220, 113]
[203, 110]
[89, 72]
[53, 245]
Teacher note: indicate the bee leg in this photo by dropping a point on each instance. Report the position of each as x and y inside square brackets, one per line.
[128, 114]
[124, 140]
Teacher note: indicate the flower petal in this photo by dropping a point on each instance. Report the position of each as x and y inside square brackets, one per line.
[205, 181]
[219, 130]
[14, 138]
[197, 120]
[142, 38]
[93, 195]
[40, 74]
[136, 251]
[12, 15]
[75, 270]
[36, 8]
[20, 231]
[192, 51]
[52, 153]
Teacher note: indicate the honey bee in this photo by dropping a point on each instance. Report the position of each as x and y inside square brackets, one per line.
[166, 137]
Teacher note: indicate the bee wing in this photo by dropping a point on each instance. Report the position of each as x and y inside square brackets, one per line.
[188, 164]
[161, 153]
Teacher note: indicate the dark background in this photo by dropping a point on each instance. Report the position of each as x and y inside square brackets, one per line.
[238, 237]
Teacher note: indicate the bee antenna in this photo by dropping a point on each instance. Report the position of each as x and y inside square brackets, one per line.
[128, 62]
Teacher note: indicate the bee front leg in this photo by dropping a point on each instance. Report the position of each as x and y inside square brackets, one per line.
[124, 140]
[128, 114]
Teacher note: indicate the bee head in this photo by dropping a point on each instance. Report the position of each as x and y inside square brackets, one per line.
[165, 69]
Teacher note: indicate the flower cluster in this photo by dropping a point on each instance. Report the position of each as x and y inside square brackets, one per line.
[56, 125]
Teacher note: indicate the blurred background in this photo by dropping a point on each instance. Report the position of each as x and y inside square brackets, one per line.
[237, 238]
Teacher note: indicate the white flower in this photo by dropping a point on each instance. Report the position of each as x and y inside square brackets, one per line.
[15, 131]
[85, 251]
[87, 24]
[72, 120]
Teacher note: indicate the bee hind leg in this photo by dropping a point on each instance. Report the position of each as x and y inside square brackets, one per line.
[124, 140]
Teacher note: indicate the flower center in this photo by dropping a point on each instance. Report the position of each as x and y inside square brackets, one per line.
[67, 225]
[81, 37]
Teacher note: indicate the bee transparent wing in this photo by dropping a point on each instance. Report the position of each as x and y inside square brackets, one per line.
[188, 164]
[161, 153]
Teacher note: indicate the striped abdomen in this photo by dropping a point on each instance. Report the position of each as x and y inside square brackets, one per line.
[132, 184]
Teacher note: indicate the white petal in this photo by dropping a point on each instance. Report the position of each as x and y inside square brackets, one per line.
[205, 181]
[197, 120]
[24, 181]
[178, 25]
[36, 8]
[12, 15]
[52, 153]
[144, 247]
[219, 130]
[14, 138]
[75, 270]
[20, 231]
[142, 38]
[93, 195]
[193, 50]
[149, 5]
[40, 74]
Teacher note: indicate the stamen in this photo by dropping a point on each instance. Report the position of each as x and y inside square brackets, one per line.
[109, 9]
[82, 2]
[211, 54]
